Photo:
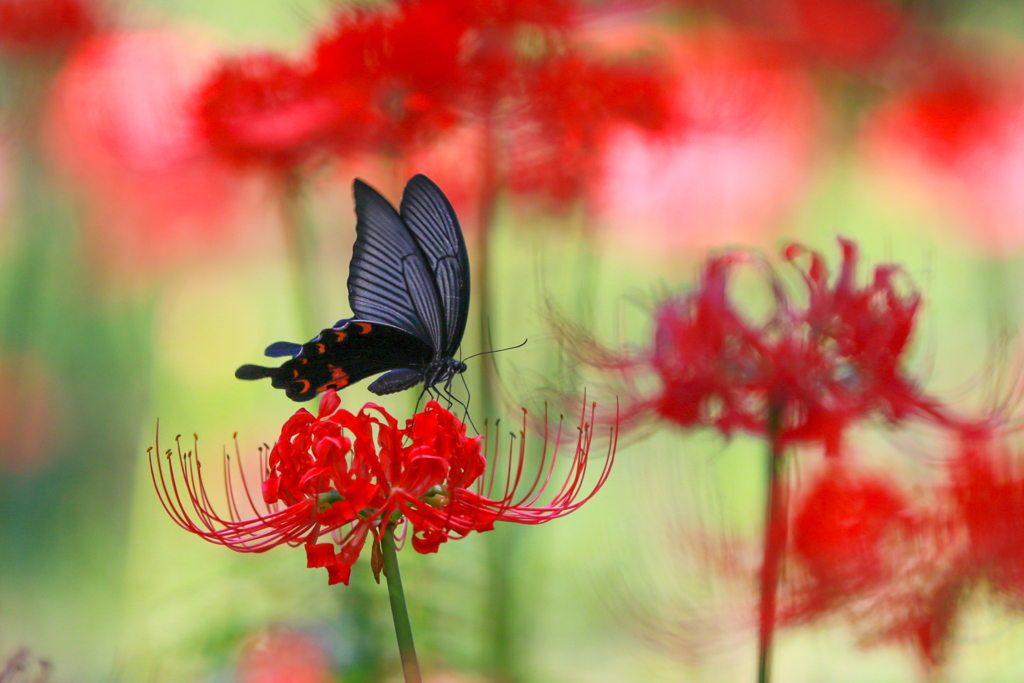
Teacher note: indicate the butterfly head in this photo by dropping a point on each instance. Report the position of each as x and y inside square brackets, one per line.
[441, 371]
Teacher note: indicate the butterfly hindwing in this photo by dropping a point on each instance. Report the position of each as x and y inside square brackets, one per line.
[344, 355]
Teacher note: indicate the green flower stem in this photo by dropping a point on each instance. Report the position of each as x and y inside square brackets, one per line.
[403, 630]
[775, 533]
[298, 242]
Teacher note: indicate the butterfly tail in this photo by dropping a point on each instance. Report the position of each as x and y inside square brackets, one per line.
[255, 372]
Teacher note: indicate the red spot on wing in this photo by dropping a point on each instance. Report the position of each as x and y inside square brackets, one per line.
[364, 327]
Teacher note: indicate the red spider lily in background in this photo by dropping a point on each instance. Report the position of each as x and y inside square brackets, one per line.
[508, 69]
[265, 109]
[897, 563]
[854, 35]
[956, 139]
[732, 159]
[345, 476]
[119, 123]
[825, 364]
[284, 656]
[36, 27]
[571, 105]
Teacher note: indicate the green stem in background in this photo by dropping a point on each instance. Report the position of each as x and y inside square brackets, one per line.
[403, 629]
[500, 652]
[775, 533]
[298, 240]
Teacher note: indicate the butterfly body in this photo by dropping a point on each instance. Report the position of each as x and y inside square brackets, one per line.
[408, 286]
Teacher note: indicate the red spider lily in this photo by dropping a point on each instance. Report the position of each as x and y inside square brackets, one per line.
[955, 141]
[346, 475]
[264, 109]
[374, 63]
[824, 364]
[283, 656]
[897, 565]
[846, 530]
[732, 159]
[45, 26]
[848, 34]
[120, 124]
[571, 104]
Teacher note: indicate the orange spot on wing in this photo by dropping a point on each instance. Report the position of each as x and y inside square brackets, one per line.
[364, 327]
[340, 377]
[320, 348]
[339, 335]
[305, 384]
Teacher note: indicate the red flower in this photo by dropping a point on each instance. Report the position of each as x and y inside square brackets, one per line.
[955, 142]
[262, 108]
[120, 123]
[987, 491]
[570, 105]
[823, 365]
[373, 64]
[848, 34]
[733, 159]
[346, 475]
[845, 530]
[41, 26]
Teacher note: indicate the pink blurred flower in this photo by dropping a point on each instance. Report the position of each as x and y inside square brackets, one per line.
[958, 140]
[120, 124]
[744, 124]
[282, 656]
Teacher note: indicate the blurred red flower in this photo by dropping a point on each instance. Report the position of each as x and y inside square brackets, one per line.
[30, 27]
[845, 530]
[571, 103]
[120, 124]
[825, 364]
[281, 656]
[373, 65]
[956, 139]
[847, 34]
[264, 109]
[734, 158]
[346, 476]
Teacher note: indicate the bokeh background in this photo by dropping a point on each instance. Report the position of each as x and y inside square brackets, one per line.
[170, 203]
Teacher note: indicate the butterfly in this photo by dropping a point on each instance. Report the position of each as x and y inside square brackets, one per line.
[408, 286]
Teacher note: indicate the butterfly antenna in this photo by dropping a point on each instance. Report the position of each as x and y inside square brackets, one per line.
[482, 353]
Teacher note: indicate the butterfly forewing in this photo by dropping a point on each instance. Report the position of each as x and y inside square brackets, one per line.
[432, 221]
[383, 253]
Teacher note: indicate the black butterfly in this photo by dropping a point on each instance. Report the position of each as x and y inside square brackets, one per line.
[408, 285]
